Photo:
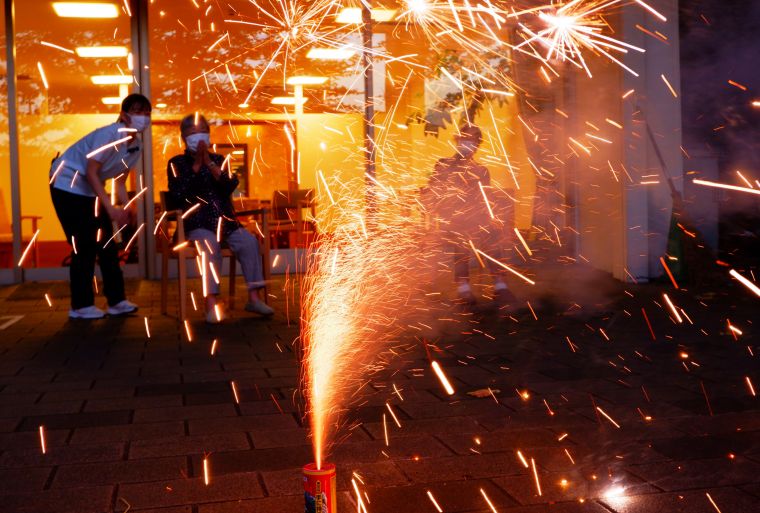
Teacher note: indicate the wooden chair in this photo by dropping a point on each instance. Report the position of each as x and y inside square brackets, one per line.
[6, 233]
[287, 216]
[174, 245]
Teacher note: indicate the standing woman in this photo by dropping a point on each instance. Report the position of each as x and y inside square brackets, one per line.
[85, 210]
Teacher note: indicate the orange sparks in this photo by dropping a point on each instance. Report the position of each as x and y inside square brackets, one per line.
[488, 501]
[535, 476]
[670, 274]
[708, 183]
[147, 328]
[188, 332]
[522, 459]
[525, 244]
[42, 439]
[28, 247]
[628, 93]
[442, 378]
[385, 431]
[213, 346]
[109, 145]
[649, 325]
[49, 302]
[393, 414]
[235, 392]
[505, 266]
[206, 474]
[744, 281]
[608, 417]
[749, 385]
[569, 457]
[673, 309]
[485, 199]
[672, 91]
[737, 84]
[435, 503]
[713, 503]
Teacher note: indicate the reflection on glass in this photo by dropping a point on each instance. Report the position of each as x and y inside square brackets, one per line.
[62, 96]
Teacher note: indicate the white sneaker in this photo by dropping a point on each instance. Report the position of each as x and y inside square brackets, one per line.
[88, 312]
[122, 308]
[212, 317]
[260, 308]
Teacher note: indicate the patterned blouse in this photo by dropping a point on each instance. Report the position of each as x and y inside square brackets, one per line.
[188, 189]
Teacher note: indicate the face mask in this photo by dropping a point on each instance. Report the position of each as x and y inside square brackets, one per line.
[192, 140]
[139, 122]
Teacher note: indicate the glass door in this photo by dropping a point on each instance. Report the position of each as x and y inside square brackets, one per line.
[74, 67]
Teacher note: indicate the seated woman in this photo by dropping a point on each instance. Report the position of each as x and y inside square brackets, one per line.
[197, 182]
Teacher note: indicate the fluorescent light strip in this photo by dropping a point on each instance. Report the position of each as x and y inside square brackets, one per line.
[111, 79]
[353, 15]
[86, 9]
[330, 54]
[102, 51]
[306, 80]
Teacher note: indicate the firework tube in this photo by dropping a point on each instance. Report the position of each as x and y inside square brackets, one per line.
[319, 488]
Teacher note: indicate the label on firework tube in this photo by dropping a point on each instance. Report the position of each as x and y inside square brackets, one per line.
[319, 488]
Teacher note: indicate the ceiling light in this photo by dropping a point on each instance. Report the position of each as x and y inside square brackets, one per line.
[86, 10]
[111, 100]
[102, 51]
[353, 15]
[306, 80]
[330, 54]
[160, 105]
[286, 100]
[111, 79]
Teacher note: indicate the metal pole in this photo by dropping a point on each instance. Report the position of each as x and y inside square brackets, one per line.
[10, 49]
[369, 103]
[141, 60]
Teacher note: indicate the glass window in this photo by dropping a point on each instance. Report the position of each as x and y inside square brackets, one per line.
[6, 215]
[72, 74]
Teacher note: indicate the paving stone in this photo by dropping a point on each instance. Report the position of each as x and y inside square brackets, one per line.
[191, 491]
[572, 485]
[29, 480]
[246, 423]
[255, 460]
[127, 432]
[61, 455]
[429, 470]
[133, 403]
[72, 500]
[210, 411]
[78, 420]
[726, 499]
[119, 472]
[452, 496]
[690, 474]
[188, 445]
[266, 505]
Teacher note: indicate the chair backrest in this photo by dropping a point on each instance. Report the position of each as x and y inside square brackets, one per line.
[168, 202]
[283, 201]
[5, 222]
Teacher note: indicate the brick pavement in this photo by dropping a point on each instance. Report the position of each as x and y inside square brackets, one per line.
[129, 419]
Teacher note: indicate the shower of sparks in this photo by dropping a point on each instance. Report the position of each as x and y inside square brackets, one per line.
[573, 29]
